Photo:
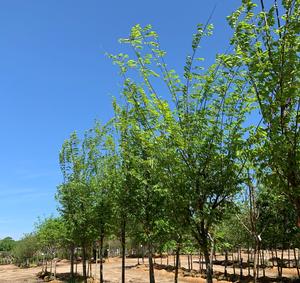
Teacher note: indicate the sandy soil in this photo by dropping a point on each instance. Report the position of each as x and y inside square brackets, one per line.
[134, 273]
[112, 271]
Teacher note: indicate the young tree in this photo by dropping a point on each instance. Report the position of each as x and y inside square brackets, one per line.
[51, 233]
[205, 129]
[267, 47]
[75, 196]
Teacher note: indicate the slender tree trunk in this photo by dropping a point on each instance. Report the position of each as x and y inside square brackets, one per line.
[241, 268]
[51, 267]
[84, 263]
[123, 244]
[72, 262]
[177, 263]
[248, 260]
[200, 259]
[296, 263]
[207, 259]
[55, 269]
[191, 261]
[212, 257]
[96, 263]
[225, 264]
[281, 263]
[263, 262]
[278, 263]
[233, 263]
[258, 260]
[101, 257]
[255, 261]
[151, 267]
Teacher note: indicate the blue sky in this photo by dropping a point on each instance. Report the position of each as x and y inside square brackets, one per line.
[55, 78]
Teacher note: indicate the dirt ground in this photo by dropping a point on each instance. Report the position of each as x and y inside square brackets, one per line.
[112, 272]
[134, 273]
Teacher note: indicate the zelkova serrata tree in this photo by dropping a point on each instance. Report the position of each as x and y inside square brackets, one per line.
[136, 124]
[266, 42]
[203, 125]
[75, 196]
[101, 165]
[86, 195]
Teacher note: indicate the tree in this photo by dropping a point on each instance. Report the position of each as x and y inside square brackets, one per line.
[205, 130]
[266, 47]
[7, 244]
[51, 236]
[101, 167]
[75, 196]
[25, 249]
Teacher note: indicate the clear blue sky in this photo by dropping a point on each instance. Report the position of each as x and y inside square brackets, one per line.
[55, 78]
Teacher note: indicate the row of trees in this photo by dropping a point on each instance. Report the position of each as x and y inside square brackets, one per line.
[186, 156]
[183, 151]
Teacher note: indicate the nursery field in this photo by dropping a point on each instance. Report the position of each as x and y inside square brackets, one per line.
[192, 174]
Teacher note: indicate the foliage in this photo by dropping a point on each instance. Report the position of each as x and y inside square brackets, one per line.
[25, 249]
[7, 244]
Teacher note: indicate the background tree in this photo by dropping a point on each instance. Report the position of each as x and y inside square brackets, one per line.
[267, 44]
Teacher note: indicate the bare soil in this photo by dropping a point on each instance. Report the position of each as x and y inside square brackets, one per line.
[136, 273]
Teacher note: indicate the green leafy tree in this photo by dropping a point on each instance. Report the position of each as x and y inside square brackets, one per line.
[267, 49]
[25, 249]
[76, 196]
[205, 129]
[7, 244]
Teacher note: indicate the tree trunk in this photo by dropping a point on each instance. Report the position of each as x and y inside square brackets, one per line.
[96, 263]
[123, 244]
[151, 267]
[225, 264]
[241, 268]
[51, 268]
[248, 260]
[258, 260]
[233, 263]
[55, 269]
[207, 259]
[296, 263]
[281, 263]
[101, 257]
[278, 263]
[263, 262]
[84, 263]
[212, 256]
[72, 262]
[255, 262]
[177, 263]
